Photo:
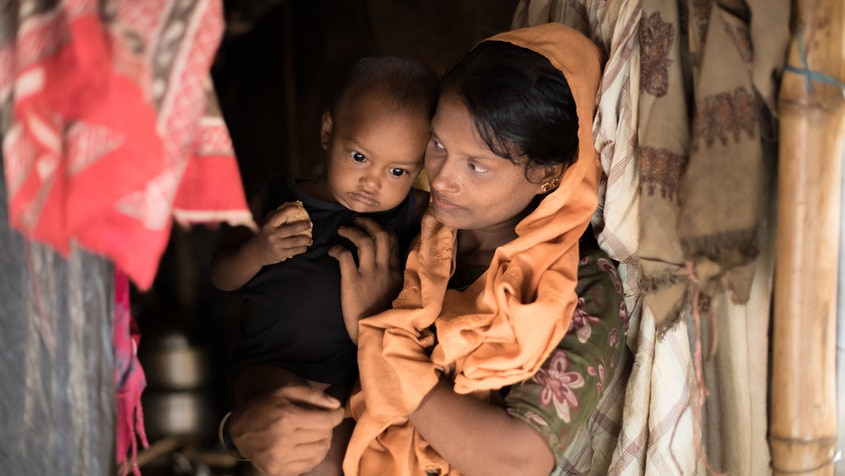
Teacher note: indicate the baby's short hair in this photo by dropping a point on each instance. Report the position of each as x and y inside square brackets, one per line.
[403, 83]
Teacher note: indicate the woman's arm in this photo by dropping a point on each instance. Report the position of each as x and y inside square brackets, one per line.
[480, 438]
[543, 415]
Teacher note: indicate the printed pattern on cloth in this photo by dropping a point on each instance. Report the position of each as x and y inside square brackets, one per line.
[562, 396]
[662, 155]
[656, 38]
[110, 126]
[660, 171]
[724, 118]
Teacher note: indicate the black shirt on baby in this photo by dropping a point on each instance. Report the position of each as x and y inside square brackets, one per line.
[292, 309]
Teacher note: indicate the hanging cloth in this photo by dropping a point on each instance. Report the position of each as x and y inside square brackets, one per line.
[703, 179]
[110, 127]
[738, 50]
[129, 378]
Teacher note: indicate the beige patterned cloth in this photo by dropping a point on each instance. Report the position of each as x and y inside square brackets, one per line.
[702, 179]
[737, 52]
[662, 430]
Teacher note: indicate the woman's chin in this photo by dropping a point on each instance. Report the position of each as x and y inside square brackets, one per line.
[446, 217]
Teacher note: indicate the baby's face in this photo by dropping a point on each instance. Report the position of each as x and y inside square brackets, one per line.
[373, 155]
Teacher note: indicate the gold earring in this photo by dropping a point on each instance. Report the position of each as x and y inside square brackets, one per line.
[550, 185]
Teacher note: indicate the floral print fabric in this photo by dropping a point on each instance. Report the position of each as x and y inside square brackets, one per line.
[563, 394]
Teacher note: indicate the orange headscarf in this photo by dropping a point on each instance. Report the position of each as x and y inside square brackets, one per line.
[501, 329]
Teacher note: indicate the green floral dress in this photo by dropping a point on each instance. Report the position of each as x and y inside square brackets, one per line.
[562, 396]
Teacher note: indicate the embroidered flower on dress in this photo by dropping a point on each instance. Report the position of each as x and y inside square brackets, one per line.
[558, 385]
[581, 322]
[601, 373]
[610, 269]
[613, 338]
[536, 419]
[623, 314]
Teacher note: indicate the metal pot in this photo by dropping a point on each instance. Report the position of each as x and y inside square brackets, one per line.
[185, 413]
[171, 362]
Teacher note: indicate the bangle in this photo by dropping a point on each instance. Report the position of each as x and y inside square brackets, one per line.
[226, 439]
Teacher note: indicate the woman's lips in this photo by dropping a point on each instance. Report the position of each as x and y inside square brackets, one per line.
[442, 203]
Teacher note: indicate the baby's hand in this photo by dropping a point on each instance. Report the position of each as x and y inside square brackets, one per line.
[286, 233]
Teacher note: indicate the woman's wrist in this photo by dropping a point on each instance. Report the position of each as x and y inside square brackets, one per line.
[225, 438]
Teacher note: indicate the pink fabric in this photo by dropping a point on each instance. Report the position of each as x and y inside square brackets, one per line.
[129, 378]
[113, 128]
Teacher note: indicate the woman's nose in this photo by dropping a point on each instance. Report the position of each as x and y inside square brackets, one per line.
[442, 175]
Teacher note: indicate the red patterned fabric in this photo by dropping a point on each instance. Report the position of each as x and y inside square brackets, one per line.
[110, 126]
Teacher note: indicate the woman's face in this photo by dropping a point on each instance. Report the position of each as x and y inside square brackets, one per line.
[471, 187]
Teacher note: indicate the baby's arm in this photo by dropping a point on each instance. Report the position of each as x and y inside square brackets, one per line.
[243, 253]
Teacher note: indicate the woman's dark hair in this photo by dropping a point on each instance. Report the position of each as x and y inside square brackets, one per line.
[519, 102]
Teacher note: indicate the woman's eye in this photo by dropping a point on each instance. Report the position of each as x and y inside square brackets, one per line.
[397, 172]
[358, 157]
[475, 168]
[435, 150]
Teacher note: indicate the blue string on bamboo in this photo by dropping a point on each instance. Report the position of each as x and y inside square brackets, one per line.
[809, 75]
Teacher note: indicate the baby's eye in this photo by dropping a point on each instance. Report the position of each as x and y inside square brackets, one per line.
[397, 172]
[357, 156]
[437, 143]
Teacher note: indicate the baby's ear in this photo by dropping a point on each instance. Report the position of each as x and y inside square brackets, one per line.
[326, 130]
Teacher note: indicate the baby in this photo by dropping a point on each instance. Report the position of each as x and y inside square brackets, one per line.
[374, 135]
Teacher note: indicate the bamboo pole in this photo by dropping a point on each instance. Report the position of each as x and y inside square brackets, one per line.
[803, 431]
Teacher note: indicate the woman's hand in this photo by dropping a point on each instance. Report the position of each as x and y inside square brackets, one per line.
[287, 431]
[370, 286]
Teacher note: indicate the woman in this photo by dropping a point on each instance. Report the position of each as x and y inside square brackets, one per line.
[499, 386]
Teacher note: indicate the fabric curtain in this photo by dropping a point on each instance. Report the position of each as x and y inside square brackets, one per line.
[110, 126]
